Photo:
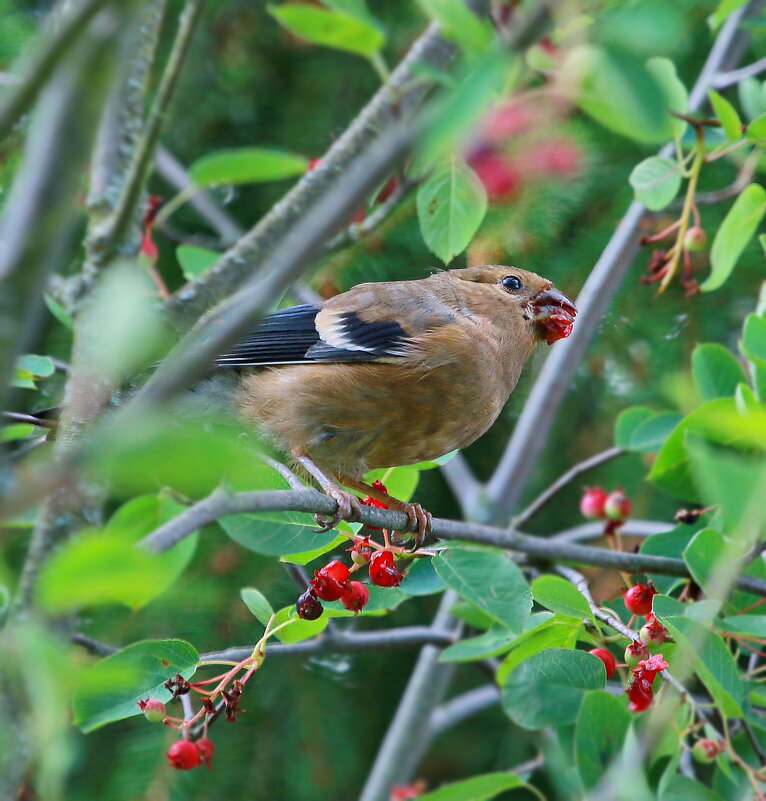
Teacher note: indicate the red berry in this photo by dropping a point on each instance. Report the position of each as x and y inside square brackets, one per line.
[592, 502]
[313, 164]
[153, 710]
[695, 239]
[308, 606]
[383, 571]
[610, 663]
[638, 599]
[336, 570]
[206, 749]
[498, 173]
[705, 750]
[640, 694]
[183, 755]
[331, 581]
[508, 120]
[553, 157]
[635, 652]
[617, 505]
[355, 597]
[361, 551]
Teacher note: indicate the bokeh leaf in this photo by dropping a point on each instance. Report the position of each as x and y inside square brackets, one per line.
[110, 689]
[656, 181]
[247, 165]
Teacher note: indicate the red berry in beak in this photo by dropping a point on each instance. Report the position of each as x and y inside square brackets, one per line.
[554, 314]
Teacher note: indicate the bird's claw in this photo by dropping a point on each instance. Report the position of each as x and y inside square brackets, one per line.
[420, 523]
[348, 509]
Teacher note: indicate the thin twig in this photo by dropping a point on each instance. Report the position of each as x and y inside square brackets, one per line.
[550, 492]
[458, 709]
[725, 79]
[20, 417]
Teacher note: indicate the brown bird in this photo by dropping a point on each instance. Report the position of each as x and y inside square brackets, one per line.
[394, 373]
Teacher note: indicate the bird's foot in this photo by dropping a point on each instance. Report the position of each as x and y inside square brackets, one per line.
[420, 522]
[348, 508]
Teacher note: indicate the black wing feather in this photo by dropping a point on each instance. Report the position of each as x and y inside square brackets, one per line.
[290, 336]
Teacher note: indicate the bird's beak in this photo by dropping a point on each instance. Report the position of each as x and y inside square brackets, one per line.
[554, 313]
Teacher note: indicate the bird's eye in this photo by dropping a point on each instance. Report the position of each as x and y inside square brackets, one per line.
[511, 282]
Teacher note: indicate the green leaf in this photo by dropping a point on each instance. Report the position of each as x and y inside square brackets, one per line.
[663, 70]
[751, 97]
[276, 533]
[560, 596]
[683, 788]
[641, 430]
[38, 366]
[304, 557]
[451, 205]
[401, 482]
[556, 632]
[754, 625]
[737, 229]
[478, 788]
[193, 456]
[195, 260]
[94, 569]
[628, 422]
[711, 660]
[16, 431]
[494, 642]
[656, 181]
[299, 629]
[602, 723]
[246, 165]
[667, 543]
[59, 312]
[547, 688]
[716, 371]
[458, 22]
[723, 10]
[704, 555]
[256, 602]
[142, 515]
[753, 345]
[756, 130]
[421, 579]
[330, 28]
[110, 689]
[620, 93]
[727, 115]
[488, 579]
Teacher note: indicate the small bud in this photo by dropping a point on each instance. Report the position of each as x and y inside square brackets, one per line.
[206, 749]
[695, 239]
[617, 505]
[635, 652]
[154, 710]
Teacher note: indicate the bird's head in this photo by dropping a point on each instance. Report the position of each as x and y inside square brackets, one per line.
[548, 309]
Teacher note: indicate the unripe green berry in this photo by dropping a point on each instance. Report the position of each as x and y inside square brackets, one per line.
[695, 239]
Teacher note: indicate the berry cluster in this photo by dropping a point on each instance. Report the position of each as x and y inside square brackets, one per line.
[183, 754]
[333, 581]
[613, 507]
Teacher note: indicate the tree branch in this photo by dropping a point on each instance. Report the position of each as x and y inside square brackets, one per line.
[533, 426]
[47, 55]
[393, 102]
[726, 79]
[135, 178]
[221, 503]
